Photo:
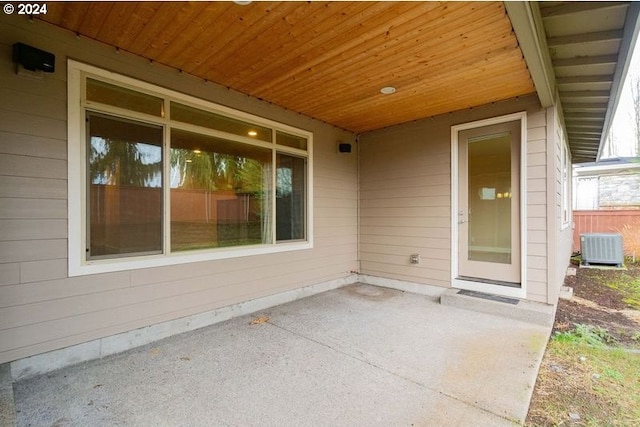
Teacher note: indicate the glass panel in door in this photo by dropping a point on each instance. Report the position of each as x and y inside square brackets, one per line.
[488, 217]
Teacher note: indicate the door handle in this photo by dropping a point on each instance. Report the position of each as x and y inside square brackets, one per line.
[461, 219]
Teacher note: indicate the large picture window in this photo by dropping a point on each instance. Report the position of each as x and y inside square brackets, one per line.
[157, 177]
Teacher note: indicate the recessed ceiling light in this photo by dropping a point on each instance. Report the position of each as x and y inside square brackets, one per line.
[253, 133]
[189, 161]
[242, 2]
[197, 151]
[388, 90]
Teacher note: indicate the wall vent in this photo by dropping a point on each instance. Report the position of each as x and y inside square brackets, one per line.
[600, 248]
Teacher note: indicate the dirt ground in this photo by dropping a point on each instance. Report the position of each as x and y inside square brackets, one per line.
[598, 305]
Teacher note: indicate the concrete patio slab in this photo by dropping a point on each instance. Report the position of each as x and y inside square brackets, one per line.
[356, 356]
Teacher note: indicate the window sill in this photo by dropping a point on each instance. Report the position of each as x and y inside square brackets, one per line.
[131, 263]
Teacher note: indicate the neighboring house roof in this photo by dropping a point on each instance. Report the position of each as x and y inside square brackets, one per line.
[608, 183]
[612, 166]
[330, 60]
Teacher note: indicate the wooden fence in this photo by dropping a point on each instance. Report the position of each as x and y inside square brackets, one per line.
[625, 222]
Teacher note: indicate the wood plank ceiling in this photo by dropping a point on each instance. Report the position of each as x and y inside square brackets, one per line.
[325, 60]
[587, 42]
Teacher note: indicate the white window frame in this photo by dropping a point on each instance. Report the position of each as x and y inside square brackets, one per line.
[76, 198]
[565, 185]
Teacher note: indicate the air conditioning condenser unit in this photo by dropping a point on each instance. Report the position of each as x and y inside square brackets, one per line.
[601, 248]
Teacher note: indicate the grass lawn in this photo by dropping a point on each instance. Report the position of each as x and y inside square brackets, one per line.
[580, 384]
[590, 374]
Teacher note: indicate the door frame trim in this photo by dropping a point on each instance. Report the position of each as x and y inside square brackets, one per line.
[520, 292]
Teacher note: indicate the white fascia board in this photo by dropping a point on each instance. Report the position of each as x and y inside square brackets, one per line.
[605, 169]
[527, 24]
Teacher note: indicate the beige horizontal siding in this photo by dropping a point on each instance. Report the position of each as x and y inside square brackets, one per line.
[16, 208]
[390, 202]
[438, 224]
[426, 181]
[428, 255]
[536, 146]
[536, 198]
[32, 229]
[560, 248]
[400, 211]
[14, 122]
[62, 308]
[37, 271]
[118, 319]
[32, 250]
[537, 185]
[42, 309]
[28, 293]
[35, 104]
[405, 195]
[36, 167]
[537, 172]
[537, 224]
[537, 263]
[32, 188]
[408, 274]
[439, 235]
[28, 145]
[9, 273]
[537, 211]
[537, 291]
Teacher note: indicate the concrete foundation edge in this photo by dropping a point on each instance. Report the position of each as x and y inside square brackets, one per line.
[417, 288]
[46, 362]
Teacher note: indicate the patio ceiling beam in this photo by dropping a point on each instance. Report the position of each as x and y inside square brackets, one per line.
[527, 24]
[584, 124]
[584, 94]
[612, 35]
[604, 78]
[585, 142]
[581, 61]
[594, 128]
[585, 116]
[585, 151]
[592, 151]
[581, 131]
[585, 106]
[567, 9]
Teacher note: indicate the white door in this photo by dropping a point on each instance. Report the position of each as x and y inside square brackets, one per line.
[488, 217]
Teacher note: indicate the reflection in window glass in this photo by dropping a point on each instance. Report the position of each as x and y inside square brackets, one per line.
[124, 98]
[125, 187]
[194, 116]
[219, 192]
[292, 141]
[490, 199]
[290, 197]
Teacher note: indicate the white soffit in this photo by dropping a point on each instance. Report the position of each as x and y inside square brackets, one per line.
[582, 50]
